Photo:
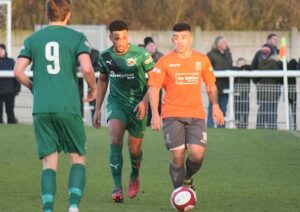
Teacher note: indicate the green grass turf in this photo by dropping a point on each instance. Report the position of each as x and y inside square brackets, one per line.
[244, 170]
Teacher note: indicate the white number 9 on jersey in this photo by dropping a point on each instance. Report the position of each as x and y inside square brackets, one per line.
[52, 55]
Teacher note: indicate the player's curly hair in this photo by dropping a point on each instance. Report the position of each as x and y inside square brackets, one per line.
[117, 25]
[57, 10]
[179, 27]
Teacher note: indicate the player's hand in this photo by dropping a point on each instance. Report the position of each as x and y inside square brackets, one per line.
[217, 115]
[155, 122]
[141, 110]
[91, 95]
[97, 119]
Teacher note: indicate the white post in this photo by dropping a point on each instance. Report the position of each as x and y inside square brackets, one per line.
[285, 84]
[231, 117]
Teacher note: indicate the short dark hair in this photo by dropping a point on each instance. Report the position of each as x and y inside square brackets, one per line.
[179, 27]
[2, 46]
[271, 35]
[117, 25]
[148, 40]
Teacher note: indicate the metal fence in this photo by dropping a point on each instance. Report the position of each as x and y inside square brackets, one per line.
[252, 106]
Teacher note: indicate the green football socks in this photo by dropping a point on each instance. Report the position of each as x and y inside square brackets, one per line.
[48, 187]
[116, 164]
[135, 165]
[77, 181]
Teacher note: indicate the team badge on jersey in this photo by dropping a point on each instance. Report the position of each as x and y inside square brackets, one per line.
[198, 65]
[131, 61]
[149, 60]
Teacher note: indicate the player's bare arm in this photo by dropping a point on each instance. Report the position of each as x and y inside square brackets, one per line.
[142, 107]
[101, 91]
[212, 93]
[153, 93]
[89, 76]
[19, 72]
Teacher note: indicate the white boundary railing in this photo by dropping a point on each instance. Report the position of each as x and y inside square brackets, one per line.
[230, 119]
[257, 73]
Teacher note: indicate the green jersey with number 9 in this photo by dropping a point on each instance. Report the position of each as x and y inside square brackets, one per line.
[53, 51]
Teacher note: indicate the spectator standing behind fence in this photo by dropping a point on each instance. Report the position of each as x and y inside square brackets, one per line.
[9, 87]
[268, 88]
[241, 94]
[151, 47]
[221, 59]
[293, 65]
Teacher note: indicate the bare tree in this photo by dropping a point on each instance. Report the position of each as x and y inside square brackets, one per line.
[162, 14]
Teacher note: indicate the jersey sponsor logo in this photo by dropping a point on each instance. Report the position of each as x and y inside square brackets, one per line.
[174, 65]
[121, 76]
[149, 60]
[187, 78]
[131, 61]
[198, 65]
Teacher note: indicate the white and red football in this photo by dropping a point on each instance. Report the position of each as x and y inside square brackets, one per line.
[183, 198]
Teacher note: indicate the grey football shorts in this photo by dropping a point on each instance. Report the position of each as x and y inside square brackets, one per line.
[180, 132]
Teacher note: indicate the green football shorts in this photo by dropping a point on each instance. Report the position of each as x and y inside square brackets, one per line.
[127, 116]
[59, 132]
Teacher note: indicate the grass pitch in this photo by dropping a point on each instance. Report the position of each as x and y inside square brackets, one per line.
[244, 170]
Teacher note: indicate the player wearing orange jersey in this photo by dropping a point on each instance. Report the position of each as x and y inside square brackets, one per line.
[180, 73]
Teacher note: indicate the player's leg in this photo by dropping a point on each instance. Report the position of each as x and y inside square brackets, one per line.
[136, 130]
[136, 154]
[72, 136]
[174, 135]
[48, 148]
[116, 133]
[196, 140]
[176, 168]
[48, 181]
[77, 180]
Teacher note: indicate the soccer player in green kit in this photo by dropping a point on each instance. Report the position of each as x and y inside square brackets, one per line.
[124, 66]
[58, 125]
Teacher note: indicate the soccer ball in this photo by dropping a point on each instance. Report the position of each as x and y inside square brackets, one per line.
[183, 198]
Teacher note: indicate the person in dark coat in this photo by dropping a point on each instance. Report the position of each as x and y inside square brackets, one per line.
[151, 47]
[292, 94]
[9, 87]
[221, 59]
[268, 88]
[241, 94]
